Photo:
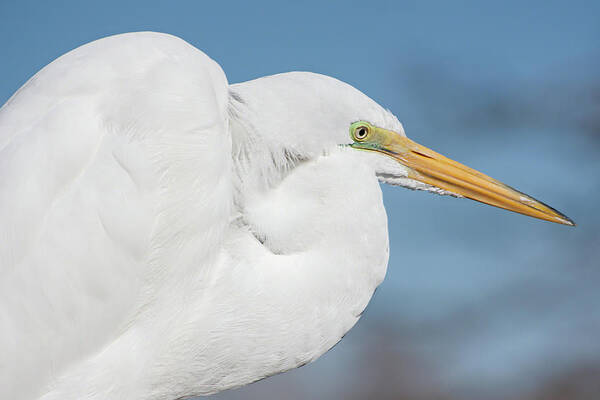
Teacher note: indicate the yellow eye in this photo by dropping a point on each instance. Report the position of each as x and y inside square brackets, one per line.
[361, 132]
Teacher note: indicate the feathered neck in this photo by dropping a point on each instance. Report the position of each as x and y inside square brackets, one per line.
[258, 164]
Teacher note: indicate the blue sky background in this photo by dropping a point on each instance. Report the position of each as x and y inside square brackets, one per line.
[478, 302]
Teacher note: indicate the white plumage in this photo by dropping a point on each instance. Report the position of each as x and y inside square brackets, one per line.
[166, 234]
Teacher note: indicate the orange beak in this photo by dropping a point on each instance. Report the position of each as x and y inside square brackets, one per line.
[434, 169]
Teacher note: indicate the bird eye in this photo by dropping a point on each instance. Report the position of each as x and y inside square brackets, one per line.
[361, 132]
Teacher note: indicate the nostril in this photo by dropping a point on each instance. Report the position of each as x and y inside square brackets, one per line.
[422, 154]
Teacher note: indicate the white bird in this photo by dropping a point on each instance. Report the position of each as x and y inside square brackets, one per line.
[166, 234]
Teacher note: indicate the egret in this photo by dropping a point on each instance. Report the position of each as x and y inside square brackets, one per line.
[167, 234]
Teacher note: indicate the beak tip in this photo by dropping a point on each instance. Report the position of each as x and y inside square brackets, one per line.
[562, 219]
[568, 221]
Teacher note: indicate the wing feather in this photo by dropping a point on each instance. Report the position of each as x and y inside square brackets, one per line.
[114, 180]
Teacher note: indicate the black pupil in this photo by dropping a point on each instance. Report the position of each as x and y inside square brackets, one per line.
[362, 132]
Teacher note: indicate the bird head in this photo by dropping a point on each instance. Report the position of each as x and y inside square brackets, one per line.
[309, 115]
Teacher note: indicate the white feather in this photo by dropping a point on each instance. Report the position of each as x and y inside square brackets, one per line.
[164, 234]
